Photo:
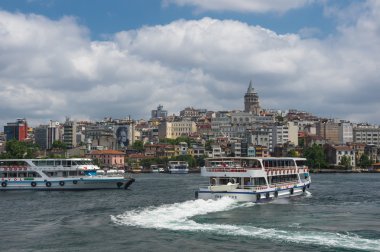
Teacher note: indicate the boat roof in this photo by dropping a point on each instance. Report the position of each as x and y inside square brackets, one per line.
[47, 159]
[256, 158]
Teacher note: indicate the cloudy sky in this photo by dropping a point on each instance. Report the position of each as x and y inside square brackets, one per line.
[92, 59]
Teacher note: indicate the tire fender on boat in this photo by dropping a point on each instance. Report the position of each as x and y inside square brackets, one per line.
[258, 197]
[75, 182]
[48, 184]
[33, 184]
[291, 191]
[267, 195]
[4, 184]
[276, 194]
[304, 189]
[61, 183]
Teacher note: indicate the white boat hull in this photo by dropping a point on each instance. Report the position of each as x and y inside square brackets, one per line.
[68, 184]
[247, 195]
[182, 171]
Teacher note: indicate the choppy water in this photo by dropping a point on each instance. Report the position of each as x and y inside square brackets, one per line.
[159, 213]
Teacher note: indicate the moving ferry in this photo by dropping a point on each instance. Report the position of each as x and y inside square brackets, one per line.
[59, 174]
[254, 179]
[178, 167]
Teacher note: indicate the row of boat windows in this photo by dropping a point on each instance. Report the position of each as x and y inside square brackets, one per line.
[32, 174]
[47, 162]
[64, 173]
[64, 163]
[256, 163]
[21, 174]
[282, 179]
[247, 181]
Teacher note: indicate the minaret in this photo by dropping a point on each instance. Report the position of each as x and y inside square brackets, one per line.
[251, 101]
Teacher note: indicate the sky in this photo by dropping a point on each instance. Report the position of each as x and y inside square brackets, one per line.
[93, 59]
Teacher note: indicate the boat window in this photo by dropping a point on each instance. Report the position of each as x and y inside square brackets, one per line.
[58, 162]
[259, 181]
[73, 173]
[254, 163]
[50, 162]
[300, 163]
[32, 174]
[66, 163]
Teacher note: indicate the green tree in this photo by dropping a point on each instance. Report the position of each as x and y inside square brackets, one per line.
[345, 161]
[292, 153]
[315, 156]
[17, 149]
[138, 145]
[59, 145]
[364, 161]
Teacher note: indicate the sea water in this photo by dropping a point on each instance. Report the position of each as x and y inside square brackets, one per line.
[341, 212]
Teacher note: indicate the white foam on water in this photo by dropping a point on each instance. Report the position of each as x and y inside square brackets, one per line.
[177, 217]
[308, 194]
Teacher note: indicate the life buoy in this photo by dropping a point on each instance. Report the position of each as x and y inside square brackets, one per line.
[75, 182]
[4, 184]
[291, 191]
[48, 184]
[267, 195]
[258, 197]
[33, 184]
[61, 183]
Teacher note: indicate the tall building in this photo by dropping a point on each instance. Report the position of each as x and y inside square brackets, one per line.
[328, 130]
[17, 130]
[346, 133]
[70, 133]
[159, 112]
[251, 101]
[41, 136]
[46, 135]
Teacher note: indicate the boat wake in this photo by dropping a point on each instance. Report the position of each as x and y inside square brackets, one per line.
[178, 217]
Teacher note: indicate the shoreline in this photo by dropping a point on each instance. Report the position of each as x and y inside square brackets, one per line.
[341, 171]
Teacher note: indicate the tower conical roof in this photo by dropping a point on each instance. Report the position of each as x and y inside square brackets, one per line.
[250, 89]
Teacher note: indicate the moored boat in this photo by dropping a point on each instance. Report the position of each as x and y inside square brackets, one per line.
[254, 179]
[59, 174]
[178, 167]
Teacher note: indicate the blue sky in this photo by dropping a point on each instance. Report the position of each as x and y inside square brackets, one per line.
[91, 59]
[108, 17]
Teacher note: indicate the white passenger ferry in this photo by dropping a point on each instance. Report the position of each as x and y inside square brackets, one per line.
[59, 174]
[254, 179]
[178, 167]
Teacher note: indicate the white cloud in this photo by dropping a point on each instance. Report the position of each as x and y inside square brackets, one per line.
[51, 69]
[257, 6]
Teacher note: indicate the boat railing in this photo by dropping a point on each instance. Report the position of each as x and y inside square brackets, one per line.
[231, 169]
[13, 168]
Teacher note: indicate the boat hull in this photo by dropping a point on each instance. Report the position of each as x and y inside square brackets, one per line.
[251, 195]
[67, 184]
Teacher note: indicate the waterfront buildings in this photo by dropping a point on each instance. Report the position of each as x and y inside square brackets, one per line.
[108, 158]
[256, 131]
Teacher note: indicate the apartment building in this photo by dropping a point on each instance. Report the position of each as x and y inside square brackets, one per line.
[367, 135]
[172, 130]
